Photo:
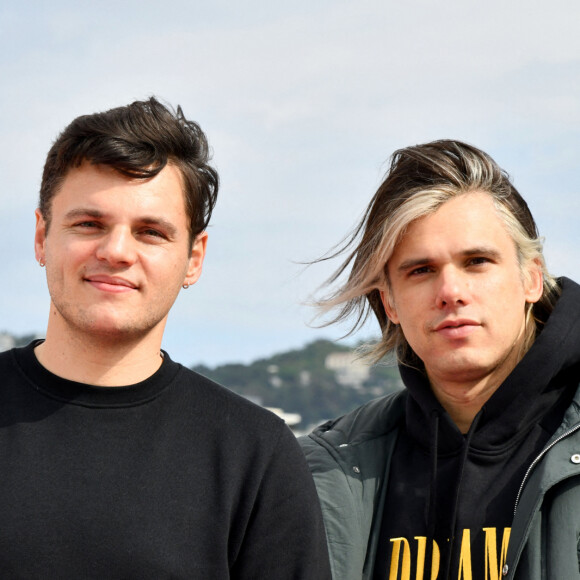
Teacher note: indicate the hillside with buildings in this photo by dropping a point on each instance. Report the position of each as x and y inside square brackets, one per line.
[310, 385]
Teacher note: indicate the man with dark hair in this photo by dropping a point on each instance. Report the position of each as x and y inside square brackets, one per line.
[116, 461]
[472, 470]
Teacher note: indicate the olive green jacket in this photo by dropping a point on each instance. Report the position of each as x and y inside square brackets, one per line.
[350, 461]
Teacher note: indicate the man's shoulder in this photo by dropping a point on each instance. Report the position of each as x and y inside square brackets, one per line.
[373, 420]
[224, 403]
[9, 358]
[5, 356]
[349, 455]
[227, 420]
[6, 364]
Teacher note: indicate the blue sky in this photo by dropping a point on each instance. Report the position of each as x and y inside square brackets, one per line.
[303, 103]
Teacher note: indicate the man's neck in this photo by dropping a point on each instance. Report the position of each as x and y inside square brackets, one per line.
[463, 398]
[463, 393]
[94, 360]
[463, 402]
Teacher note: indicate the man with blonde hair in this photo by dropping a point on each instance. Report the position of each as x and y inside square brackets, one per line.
[472, 470]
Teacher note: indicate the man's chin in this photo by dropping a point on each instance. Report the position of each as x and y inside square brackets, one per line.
[114, 330]
[460, 367]
[95, 323]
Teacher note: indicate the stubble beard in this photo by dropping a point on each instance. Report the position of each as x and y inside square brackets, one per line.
[88, 323]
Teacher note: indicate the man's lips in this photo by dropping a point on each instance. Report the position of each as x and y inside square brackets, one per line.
[459, 328]
[114, 284]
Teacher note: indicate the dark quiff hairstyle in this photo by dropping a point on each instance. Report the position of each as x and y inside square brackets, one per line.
[138, 141]
[420, 179]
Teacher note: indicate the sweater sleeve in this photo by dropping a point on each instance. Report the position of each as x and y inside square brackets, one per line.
[285, 536]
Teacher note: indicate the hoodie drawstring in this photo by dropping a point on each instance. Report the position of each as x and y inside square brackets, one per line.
[466, 445]
[432, 501]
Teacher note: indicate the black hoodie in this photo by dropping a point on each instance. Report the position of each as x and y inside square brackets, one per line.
[450, 497]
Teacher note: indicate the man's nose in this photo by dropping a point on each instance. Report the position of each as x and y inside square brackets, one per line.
[118, 246]
[452, 288]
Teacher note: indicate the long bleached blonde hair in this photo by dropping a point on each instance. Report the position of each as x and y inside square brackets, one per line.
[420, 179]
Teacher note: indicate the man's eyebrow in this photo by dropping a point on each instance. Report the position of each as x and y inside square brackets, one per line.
[482, 251]
[469, 253]
[413, 263]
[164, 224]
[83, 212]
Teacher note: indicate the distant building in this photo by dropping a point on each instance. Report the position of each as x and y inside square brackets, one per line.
[274, 380]
[305, 378]
[348, 369]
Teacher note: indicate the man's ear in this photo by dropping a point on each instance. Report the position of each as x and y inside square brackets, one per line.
[40, 238]
[534, 282]
[196, 259]
[389, 307]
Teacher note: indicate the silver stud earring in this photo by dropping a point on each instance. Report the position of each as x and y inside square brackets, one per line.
[41, 263]
[185, 286]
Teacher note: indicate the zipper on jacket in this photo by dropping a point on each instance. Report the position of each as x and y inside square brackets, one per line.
[537, 459]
